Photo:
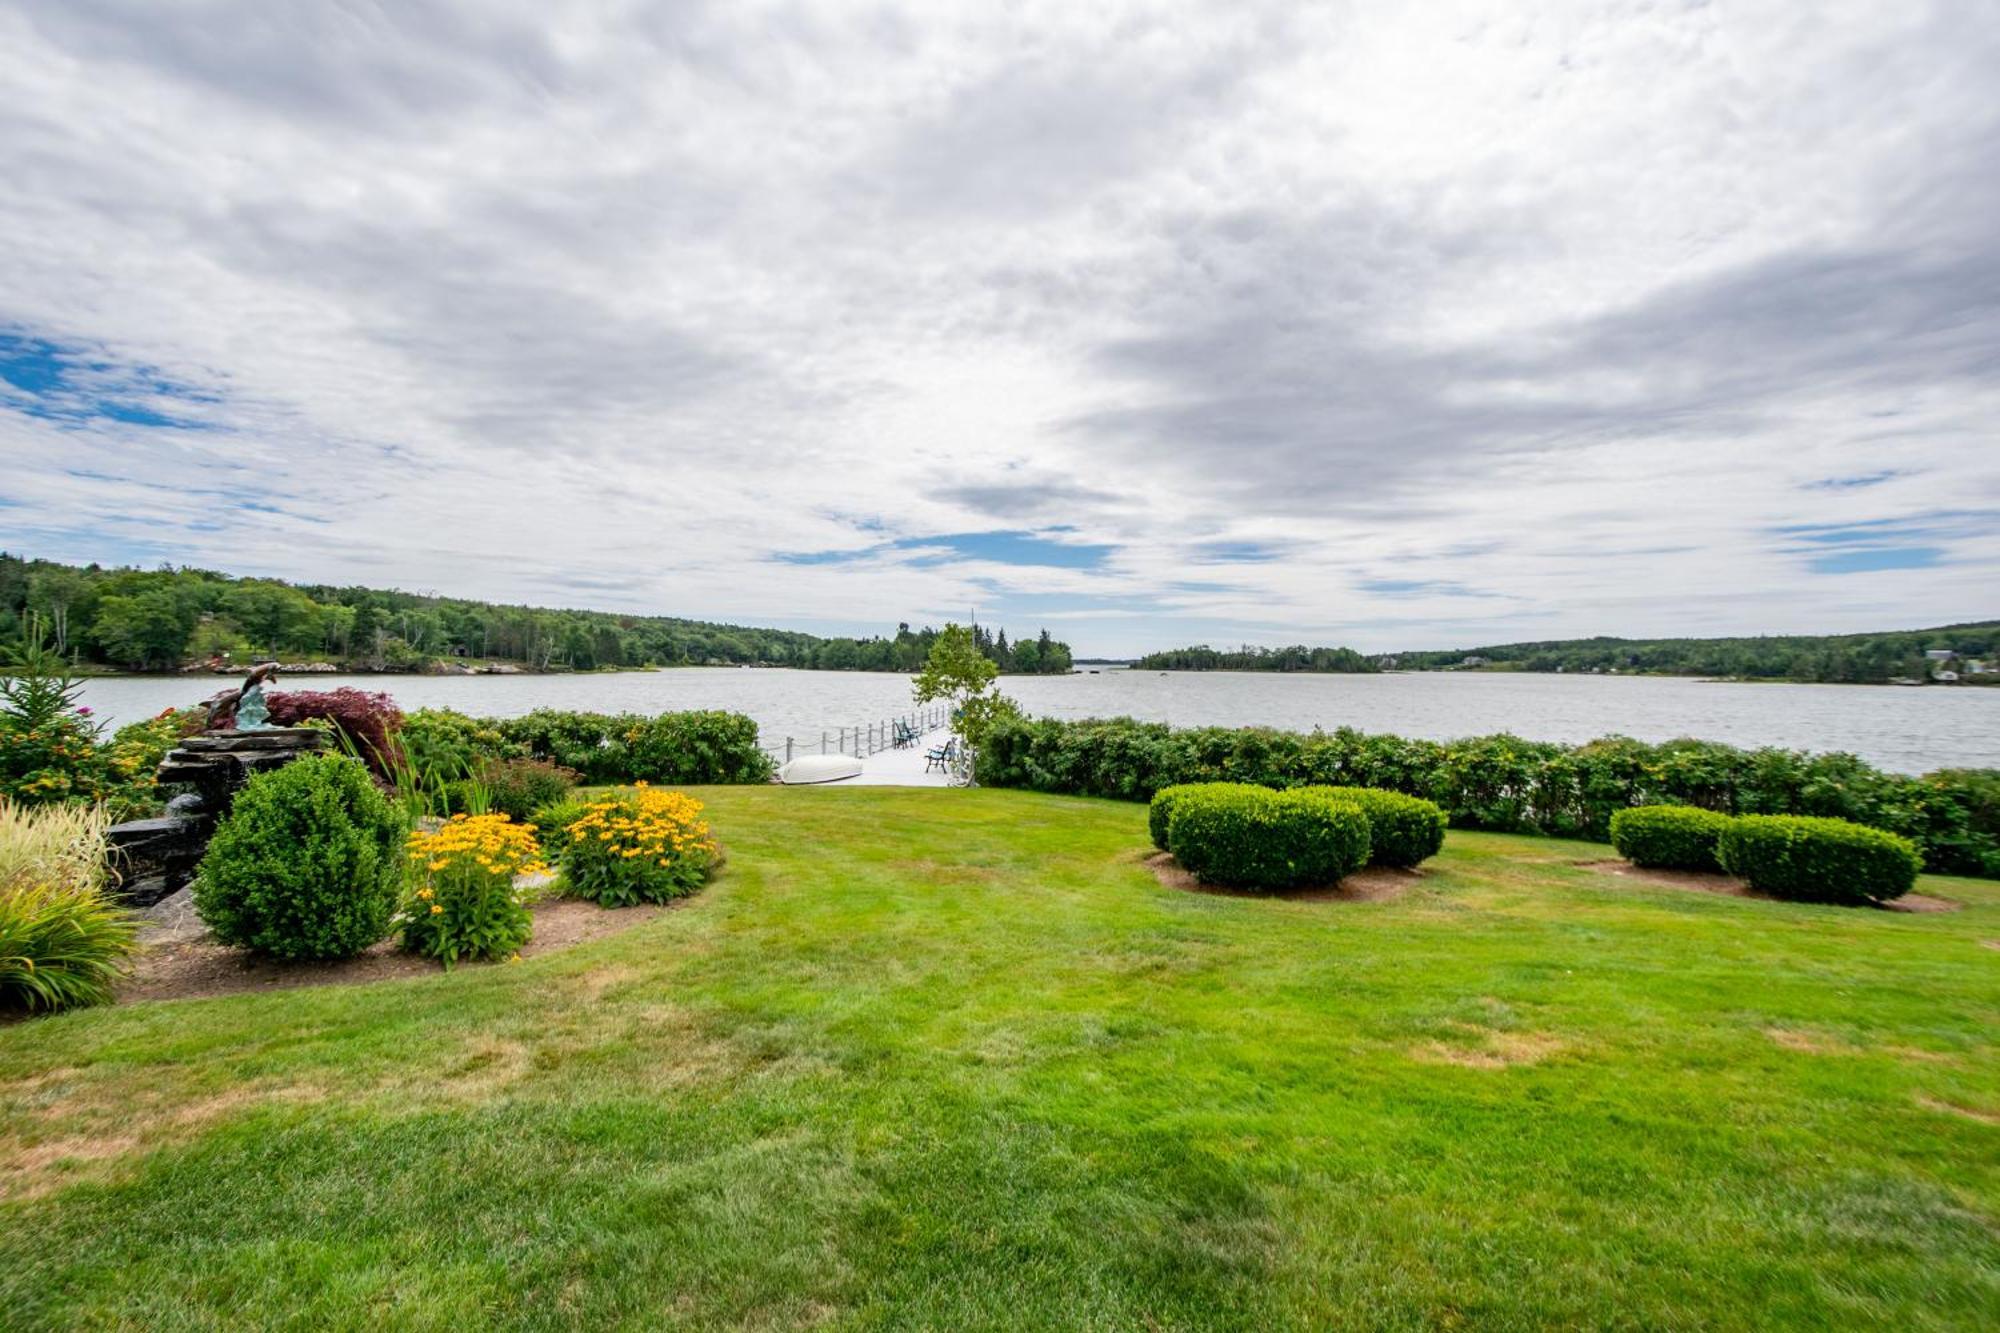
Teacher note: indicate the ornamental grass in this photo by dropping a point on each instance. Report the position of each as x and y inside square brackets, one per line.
[63, 943]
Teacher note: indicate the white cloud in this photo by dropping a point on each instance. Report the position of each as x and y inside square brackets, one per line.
[1494, 324]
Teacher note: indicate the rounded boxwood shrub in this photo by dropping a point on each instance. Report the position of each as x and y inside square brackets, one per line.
[308, 863]
[1402, 830]
[1671, 837]
[1818, 860]
[1255, 838]
[1161, 809]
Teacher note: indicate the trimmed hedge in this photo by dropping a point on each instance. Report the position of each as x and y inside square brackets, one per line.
[1253, 838]
[1509, 785]
[1818, 860]
[1402, 830]
[1161, 809]
[1671, 837]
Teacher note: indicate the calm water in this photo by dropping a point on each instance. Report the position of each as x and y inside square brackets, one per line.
[1911, 730]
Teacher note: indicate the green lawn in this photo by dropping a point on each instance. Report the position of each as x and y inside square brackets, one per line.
[945, 1059]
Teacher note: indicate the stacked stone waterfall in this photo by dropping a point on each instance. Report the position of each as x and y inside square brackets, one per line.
[152, 858]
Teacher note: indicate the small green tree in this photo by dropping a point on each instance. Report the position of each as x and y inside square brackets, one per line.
[962, 675]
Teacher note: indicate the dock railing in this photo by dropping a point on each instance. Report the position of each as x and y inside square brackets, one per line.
[861, 739]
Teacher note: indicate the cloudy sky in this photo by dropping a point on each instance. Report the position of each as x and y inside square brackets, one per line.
[1394, 326]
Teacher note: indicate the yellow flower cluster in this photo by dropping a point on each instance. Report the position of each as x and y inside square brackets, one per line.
[651, 823]
[492, 843]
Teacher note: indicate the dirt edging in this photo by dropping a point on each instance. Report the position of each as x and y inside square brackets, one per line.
[1372, 884]
[183, 963]
[1708, 881]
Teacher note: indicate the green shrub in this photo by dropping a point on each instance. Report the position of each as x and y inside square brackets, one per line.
[1254, 838]
[444, 741]
[134, 753]
[1818, 860]
[50, 749]
[1671, 837]
[519, 787]
[644, 846]
[693, 747]
[697, 747]
[594, 744]
[463, 902]
[1402, 830]
[1955, 818]
[1160, 811]
[551, 824]
[307, 864]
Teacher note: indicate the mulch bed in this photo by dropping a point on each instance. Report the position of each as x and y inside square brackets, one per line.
[181, 962]
[1701, 881]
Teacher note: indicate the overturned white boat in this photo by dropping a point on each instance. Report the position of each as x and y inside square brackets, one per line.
[810, 769]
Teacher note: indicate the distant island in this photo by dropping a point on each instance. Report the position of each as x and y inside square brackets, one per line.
[1947, 654]
[168, 619]
[1247, 658]
[1967, 654]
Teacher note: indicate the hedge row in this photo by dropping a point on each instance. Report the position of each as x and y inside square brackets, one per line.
[670, 748]
[1506, 784]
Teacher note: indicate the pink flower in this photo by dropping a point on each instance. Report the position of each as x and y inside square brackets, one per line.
[84, 711]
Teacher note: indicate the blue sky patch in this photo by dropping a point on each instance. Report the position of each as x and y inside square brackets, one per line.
[66, 383]
[1856, 483]
[1418, 588]
[1914, 541]
[1004, 548]
[1871, 559]
[1232, 553]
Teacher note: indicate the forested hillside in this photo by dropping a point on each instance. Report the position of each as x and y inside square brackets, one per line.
[1852, 658]
[164, 619]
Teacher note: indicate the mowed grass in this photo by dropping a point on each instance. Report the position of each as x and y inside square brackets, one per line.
[949, 1059]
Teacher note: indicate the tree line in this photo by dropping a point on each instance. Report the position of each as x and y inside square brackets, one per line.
[1297, 657]
[167, 618]
[1831, 658]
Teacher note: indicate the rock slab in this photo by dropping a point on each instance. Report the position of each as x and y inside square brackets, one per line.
[152, 859]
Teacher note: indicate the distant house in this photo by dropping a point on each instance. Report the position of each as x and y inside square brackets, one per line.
[1945, 677]
[1977, 667]
[1939, 654]
[1474, 660]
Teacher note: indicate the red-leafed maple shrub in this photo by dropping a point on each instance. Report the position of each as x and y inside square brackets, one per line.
[369, 720]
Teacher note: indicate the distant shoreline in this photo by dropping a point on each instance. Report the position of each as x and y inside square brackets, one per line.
[1695, 676]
